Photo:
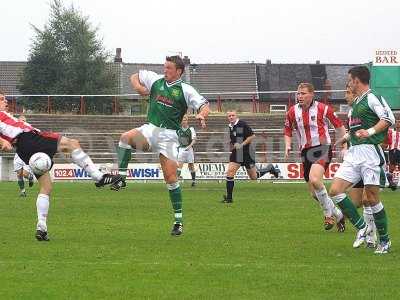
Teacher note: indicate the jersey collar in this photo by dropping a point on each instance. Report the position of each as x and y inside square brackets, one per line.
[358, 99]
[169, 84]
[308, 108]
[231, 126]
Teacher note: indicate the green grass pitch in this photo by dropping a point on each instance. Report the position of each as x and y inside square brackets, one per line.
[270, 244]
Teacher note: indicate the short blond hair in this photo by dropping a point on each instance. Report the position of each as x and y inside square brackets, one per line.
[306, 85]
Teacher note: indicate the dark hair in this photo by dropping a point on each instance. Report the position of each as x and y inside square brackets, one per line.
[360, 72]
[177, 60]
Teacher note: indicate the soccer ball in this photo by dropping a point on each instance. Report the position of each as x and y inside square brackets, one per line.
[40, 163]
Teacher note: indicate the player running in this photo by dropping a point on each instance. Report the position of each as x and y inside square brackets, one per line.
[169, 99]
[27, 141]
[310, 120]
[187, 138]
[370, 117]
[357, 192]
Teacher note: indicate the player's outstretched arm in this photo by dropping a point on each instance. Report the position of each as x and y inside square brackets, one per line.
[137, 86]
[203, 114]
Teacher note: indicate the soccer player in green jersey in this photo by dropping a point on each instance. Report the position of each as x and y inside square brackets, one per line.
[169, 99]
[187, 138]
[357, 192]
[370, 117]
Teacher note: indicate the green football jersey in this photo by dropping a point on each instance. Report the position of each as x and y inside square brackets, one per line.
[185, 136]
[169, 101]
[366, 111]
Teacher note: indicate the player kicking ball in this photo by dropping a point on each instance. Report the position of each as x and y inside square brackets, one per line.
[187, 138]
[28, 141]
[169, 99]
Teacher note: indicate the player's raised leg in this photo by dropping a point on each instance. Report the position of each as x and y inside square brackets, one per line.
[169, 168]
[132, 139]
[83, 160]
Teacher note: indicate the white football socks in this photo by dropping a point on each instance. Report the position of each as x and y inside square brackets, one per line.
[83, 160]
[326, 203]
[369, 217]
[42, 206]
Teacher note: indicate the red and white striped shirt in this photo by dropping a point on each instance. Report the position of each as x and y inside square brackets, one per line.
[393, 139]
[11, 127]
[312, 124]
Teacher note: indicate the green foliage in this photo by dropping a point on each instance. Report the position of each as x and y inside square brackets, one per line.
[68, 57]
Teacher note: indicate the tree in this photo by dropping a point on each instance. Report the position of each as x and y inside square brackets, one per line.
[68, 57]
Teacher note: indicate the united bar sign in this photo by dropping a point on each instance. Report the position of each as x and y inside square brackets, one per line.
[387, 58]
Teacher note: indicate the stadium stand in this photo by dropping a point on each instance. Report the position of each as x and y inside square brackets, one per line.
[99, 136]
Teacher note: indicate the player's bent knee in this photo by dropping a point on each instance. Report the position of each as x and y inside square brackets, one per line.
[173, 185]
[171, 179]
[125, 137]
[45, 190]
[231, 172]
[74, 144]
[68, 145]
[334, 191]
[253, 176]
[315, 180]
[338, 197]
